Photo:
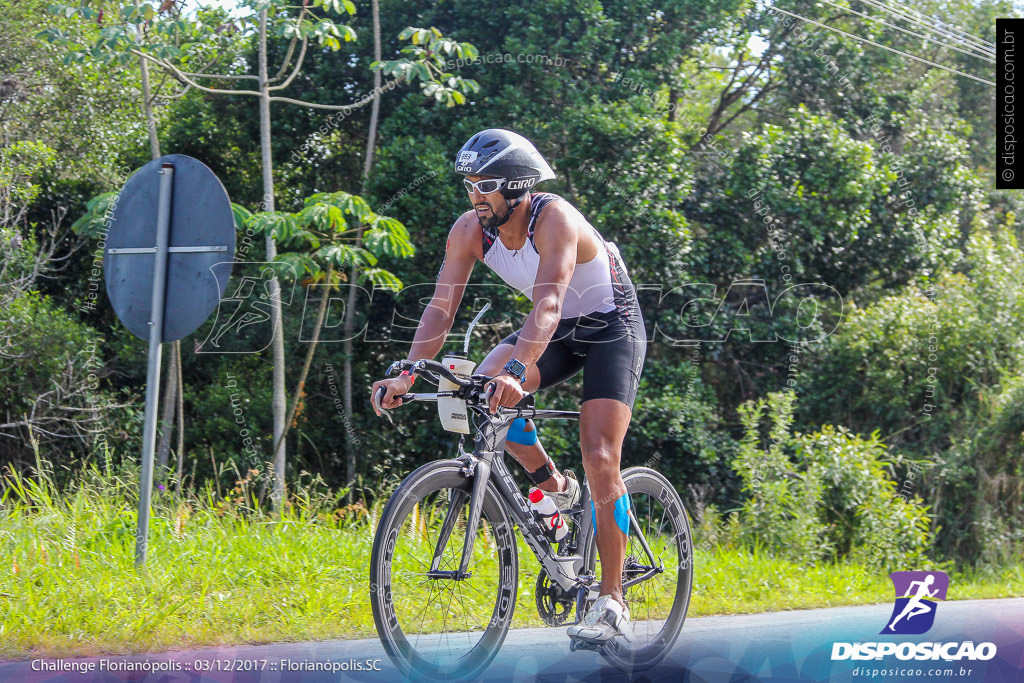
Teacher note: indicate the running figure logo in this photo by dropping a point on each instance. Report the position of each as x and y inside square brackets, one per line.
[917, 594]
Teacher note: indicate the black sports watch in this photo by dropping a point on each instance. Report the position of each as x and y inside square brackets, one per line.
[517, 369]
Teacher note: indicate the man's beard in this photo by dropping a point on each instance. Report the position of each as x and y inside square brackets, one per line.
[490, 221]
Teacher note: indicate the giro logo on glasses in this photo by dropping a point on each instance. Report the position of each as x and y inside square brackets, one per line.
[917, 596]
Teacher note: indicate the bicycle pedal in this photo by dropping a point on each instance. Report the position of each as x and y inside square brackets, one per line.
[578, 644]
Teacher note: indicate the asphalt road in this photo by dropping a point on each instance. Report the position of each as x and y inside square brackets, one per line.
[772, 647]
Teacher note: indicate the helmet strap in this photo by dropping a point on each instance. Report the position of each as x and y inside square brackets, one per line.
[511, 204]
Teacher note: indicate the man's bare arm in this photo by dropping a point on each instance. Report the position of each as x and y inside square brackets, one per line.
[556, 237]
[437, 318]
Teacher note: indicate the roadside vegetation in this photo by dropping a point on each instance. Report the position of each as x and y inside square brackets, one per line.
[220, 572]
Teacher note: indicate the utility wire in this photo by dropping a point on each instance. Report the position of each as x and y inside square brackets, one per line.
[911, 16]
[932, 39]
[910, 11]
[884, 47]
[897, 10]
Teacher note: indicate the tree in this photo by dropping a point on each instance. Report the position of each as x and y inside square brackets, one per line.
[46, 355]
[317, 238]
[936, 371]
[350, 304]
[51, 360]
[160, 45]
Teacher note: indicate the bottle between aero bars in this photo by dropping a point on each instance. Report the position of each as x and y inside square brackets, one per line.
[452, 411]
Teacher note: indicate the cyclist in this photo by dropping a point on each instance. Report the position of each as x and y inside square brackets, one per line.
[585, 316]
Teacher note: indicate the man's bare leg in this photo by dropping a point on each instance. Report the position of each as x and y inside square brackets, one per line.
[603, 424]
[533, 456]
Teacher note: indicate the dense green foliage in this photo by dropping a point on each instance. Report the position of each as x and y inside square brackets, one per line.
[799, 211]
[830, 494]
[936, 371]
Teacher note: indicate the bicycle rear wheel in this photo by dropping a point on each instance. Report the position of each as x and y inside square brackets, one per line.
[658, 603]
[433, 625]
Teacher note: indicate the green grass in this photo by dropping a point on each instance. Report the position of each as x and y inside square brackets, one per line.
[221, 573]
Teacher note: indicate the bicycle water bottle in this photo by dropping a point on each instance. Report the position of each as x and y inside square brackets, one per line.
[452, 411]
[551, 519]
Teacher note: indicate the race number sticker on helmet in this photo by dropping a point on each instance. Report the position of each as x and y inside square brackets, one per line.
[463, 163]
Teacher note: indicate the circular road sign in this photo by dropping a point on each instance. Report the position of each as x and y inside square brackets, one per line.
[202, 235]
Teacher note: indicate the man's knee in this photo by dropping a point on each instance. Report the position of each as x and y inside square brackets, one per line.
[601, 458]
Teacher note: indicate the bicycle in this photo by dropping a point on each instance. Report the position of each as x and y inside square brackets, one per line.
[445, 553]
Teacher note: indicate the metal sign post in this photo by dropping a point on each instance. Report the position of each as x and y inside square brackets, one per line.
[156, 332]
[164, 280]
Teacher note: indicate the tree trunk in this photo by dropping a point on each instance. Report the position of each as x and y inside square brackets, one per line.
[278, 401]
[321, 311]
[371, 139]
[350, 305]
[147, 105]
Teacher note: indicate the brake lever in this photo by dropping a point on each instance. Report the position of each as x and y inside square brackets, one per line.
[486, 395]
[378, 396]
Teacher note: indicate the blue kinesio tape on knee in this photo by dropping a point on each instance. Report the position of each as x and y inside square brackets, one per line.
[517, 433]
[621, 513]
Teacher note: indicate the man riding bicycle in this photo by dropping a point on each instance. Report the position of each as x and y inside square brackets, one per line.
[585, 316]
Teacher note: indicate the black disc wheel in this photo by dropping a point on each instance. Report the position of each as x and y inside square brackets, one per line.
[434, 623]
[657, 580]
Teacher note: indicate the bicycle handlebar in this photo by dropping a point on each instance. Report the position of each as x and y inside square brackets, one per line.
[477, 390]
[429, 367]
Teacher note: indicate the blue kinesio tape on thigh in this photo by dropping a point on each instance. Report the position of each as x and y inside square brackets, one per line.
[621, 513]
[517, 433]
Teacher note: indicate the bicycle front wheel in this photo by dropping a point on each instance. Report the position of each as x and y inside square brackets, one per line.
[656, 584]
[433, 624]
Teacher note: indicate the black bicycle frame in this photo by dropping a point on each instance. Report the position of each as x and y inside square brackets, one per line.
[487, 463]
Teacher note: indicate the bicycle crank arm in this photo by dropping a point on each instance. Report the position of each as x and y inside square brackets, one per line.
[593, 590]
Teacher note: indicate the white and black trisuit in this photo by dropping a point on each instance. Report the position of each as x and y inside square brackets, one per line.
[601, 331]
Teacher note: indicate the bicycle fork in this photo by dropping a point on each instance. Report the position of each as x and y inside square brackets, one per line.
[479, 470]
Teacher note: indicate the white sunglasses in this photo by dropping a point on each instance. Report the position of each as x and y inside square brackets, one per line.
[485, 186]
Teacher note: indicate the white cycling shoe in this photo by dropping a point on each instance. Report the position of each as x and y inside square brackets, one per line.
[607, 619]
[570, 497]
